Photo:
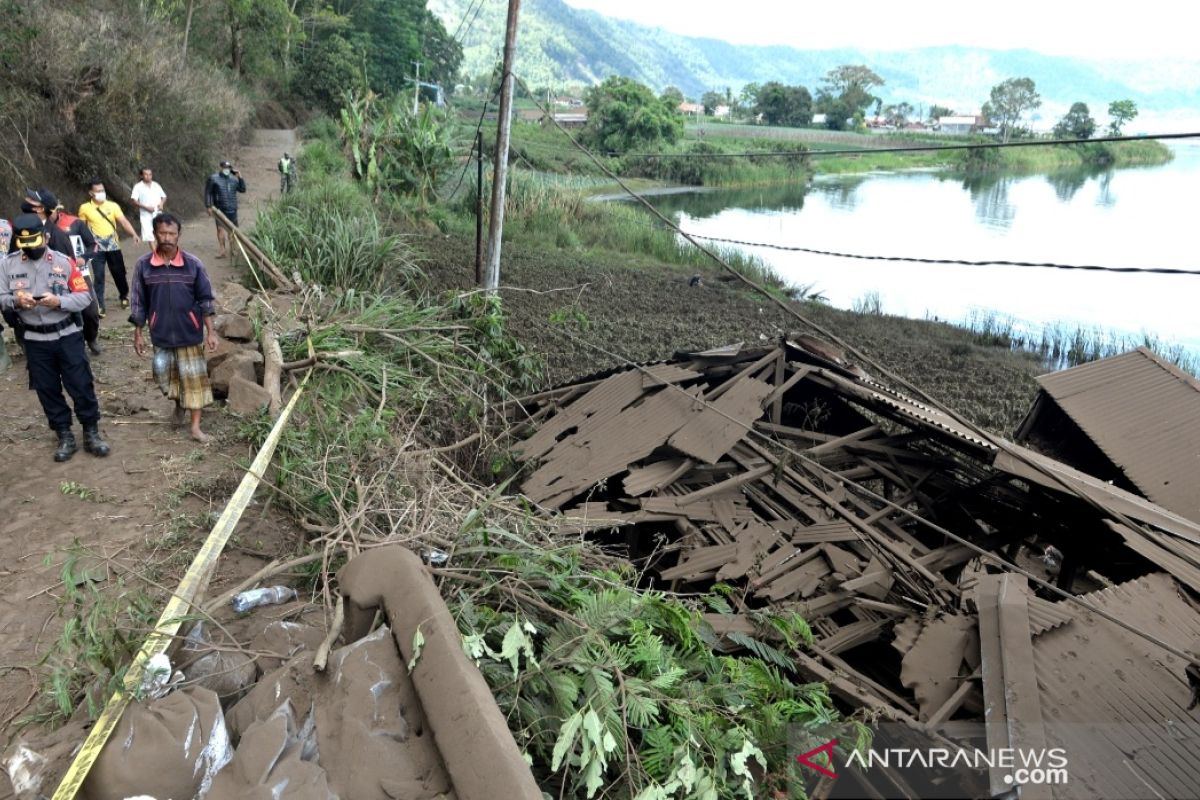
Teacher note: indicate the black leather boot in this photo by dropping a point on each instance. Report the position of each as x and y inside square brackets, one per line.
[66, 446]
[93, 442]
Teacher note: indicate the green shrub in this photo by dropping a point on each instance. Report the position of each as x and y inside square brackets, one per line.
[322, 128]
[323, 159]
[328, 231]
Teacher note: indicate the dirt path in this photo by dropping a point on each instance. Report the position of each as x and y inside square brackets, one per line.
[137, 514]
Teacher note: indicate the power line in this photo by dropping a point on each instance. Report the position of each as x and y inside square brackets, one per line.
[956, 261]
[921, 148]
[463, 21]
[478, 126]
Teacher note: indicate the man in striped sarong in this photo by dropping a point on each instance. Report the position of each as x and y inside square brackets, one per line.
[172, 295]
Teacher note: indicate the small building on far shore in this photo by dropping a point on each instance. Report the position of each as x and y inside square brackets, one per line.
[959, 124]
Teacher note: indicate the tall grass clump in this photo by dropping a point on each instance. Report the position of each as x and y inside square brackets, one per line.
[1059, 346]
[321, 158]
[329, 233]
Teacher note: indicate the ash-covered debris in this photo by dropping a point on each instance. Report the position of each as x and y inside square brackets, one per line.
[947, 575]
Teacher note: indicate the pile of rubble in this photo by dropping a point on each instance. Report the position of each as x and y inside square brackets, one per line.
[946, 575]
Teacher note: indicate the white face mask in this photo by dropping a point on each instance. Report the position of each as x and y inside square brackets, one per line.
[100, 197]
[226, 171]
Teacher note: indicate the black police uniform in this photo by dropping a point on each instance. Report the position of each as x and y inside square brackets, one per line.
[54, 351]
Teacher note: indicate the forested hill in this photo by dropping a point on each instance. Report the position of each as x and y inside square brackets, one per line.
[559, 44]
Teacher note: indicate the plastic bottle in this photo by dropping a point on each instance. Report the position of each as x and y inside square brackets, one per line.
[262, 597]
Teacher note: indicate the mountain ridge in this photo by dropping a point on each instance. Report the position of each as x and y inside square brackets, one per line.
[559, 45]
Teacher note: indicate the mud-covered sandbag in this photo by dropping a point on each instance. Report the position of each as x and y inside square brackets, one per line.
[274, 761]
[281, 641]
[294, 683]
[170, 747]
[218, 666]
[373, 739]
[372, 732]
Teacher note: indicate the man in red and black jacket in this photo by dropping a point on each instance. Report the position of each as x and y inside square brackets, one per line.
[171, 295]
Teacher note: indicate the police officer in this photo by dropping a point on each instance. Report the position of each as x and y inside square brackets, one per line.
[45, 289]
[70, 236]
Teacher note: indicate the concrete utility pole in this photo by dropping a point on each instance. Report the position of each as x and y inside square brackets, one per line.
[491, 273]
[416, 87]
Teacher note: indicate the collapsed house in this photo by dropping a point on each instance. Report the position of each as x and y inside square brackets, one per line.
[946, 575]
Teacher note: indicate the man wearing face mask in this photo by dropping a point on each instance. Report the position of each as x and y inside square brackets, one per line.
[102, 217]
[71, 237]
[45, 290]
[221, 191]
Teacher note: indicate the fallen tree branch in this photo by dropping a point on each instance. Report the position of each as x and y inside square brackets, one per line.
[335, 629]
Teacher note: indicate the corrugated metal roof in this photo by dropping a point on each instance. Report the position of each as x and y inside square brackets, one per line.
[1144, 414]
[1118, 704]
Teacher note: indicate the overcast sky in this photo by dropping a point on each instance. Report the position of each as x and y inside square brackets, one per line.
[1053, 27]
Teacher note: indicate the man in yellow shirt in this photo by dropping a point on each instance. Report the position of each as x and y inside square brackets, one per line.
[102, 217]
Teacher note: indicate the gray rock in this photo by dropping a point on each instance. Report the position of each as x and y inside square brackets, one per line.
[232, 326]
[246, 397]
[240, 363]
[232, 298]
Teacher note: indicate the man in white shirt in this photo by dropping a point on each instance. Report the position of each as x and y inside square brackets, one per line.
[150, 199]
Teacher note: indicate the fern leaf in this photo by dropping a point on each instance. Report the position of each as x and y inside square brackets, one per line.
[761, 650]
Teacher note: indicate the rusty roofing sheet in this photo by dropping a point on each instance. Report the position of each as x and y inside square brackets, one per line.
[1145, 415]
[1118, 704]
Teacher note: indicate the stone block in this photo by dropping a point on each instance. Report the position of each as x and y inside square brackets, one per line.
[232, 326]
[241, 363]
[247, 398]
[232, 298]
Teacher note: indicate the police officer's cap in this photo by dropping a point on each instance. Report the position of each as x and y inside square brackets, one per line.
[28, 231]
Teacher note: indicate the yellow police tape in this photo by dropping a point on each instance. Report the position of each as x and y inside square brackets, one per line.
[177, 608]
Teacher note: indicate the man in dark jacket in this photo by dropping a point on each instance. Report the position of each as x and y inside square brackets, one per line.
[221, 191]
[82, 249]
[44, 287]
[71, 237]
[171, 294]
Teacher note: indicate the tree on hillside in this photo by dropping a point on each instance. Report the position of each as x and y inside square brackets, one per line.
[1076, 124]
[1010, 100]
[784, 105]
[672, 95]
[936, 112]
[710, 101]
[624, 114]
[1120, 112]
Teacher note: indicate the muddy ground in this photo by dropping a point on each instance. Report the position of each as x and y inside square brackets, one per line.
[139, 514]
[638, 310]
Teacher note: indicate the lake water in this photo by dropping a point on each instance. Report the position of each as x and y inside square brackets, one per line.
[1130, 217]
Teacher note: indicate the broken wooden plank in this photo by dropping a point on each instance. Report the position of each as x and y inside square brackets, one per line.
[931, 667]
[722, 423]
[743, 375]
[654, 476]
[610, 447]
